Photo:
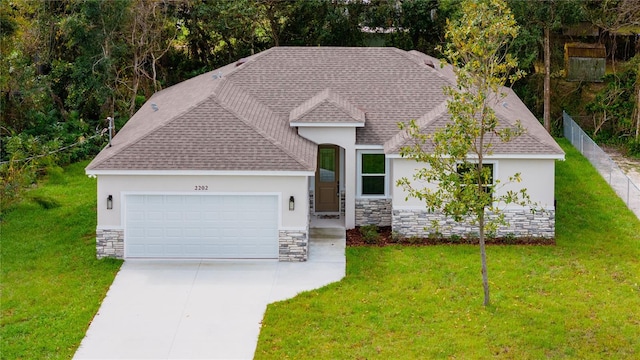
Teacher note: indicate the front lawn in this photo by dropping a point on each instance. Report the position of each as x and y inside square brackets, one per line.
[578, 299]
[52, 284]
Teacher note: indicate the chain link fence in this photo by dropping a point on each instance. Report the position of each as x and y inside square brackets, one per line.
[617, 179]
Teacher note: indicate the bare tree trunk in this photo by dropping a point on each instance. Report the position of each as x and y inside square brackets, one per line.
[135, 85]
[638, 110]
[614, 45]
[273, 24]
[547, 80]
[154, 76]
[483, 256]
[638, 95]
[480, 214]
[599, 125]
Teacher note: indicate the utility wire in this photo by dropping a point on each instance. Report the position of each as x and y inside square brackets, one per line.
[101, 133]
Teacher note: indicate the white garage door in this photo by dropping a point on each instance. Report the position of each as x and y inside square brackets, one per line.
[201, 226]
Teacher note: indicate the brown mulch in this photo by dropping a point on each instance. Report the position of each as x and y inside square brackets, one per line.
[354, 238]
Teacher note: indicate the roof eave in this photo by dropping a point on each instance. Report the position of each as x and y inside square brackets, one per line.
[326, 124]
[116, 172]
[561, 157]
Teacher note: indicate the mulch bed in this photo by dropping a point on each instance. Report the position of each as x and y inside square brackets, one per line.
[355, 238]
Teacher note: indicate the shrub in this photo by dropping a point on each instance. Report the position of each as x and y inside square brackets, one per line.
[414, 240]
[473, 237]
[510, 238]
[634, 148]
[370, 234]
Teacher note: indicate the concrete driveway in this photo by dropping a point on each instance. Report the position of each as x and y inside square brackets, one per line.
[200, 309]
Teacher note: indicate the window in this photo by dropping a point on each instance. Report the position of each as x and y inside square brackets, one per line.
[372, 171]
[487, 174]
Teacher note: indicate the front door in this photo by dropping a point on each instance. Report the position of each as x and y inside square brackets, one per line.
[327, 194]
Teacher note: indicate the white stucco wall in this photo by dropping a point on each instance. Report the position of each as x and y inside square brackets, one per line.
[538, 176]
[285, 186]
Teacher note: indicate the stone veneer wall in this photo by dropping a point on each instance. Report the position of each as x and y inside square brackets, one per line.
[522, 223]
[293, 245]
[110, 243]
[312, 203]
[373, 211]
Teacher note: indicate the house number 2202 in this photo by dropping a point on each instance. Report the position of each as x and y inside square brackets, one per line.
[201, 187]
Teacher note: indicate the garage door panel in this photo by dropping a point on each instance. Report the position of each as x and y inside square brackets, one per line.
[173, 232]
[209, 226]
[192, 250]
[172, 215]
[211, 232]
[192, 233]
[154, 200]
[135, 215]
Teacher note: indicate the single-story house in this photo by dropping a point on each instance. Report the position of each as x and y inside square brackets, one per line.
[235, 162]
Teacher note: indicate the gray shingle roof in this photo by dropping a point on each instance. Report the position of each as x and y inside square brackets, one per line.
[327, 107]
[242, 120]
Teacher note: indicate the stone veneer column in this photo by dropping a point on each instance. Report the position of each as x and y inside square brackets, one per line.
[521, 223]
[293, 245]
[312, 204]
[373, 212]
[110, 243]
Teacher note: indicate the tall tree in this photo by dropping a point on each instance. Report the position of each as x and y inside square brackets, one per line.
[150, 34]
[324, 23]
[616, 16]
[223, 31]
[462, 185]
[541, 18]
[277, 13]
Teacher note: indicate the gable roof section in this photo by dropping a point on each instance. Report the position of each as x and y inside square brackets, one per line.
[327, 107]
[535, 140]
[197, 141]
[402, 138]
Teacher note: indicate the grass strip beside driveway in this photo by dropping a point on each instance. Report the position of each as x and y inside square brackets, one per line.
[578, 299]
[52, 284]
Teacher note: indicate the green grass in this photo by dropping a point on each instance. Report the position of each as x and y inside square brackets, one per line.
[51, 282]
[578, 299]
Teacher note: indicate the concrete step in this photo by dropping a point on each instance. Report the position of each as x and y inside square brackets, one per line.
[327, 233]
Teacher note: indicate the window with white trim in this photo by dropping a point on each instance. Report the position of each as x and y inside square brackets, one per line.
[372, 174]
[471, 169]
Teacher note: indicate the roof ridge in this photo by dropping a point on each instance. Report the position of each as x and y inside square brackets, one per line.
[238, 65]
[394, 144]
[415, 55]
[331, 97]
[264, 110]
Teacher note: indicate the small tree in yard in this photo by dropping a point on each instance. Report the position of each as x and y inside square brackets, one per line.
[464, 188]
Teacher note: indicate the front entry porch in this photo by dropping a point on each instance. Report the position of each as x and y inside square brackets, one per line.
[318, 221]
